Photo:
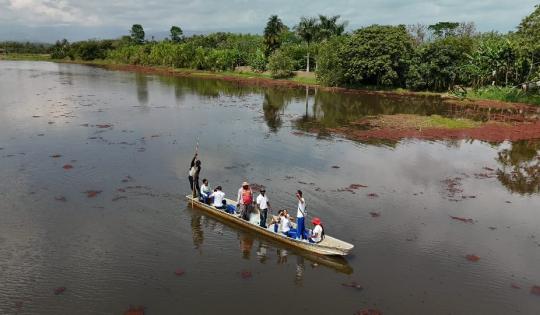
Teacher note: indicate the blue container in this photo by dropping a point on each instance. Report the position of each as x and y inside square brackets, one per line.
[230, 209]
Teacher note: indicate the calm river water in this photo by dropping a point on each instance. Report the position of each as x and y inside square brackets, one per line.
[130, 137]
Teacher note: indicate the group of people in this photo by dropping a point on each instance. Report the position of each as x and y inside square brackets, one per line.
[246, 203]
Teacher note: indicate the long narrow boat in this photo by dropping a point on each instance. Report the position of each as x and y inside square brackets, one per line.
[328, 246]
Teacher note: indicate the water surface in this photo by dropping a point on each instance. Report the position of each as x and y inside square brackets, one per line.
[131, 137]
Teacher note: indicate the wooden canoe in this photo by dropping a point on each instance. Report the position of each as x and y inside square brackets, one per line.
[329, 246]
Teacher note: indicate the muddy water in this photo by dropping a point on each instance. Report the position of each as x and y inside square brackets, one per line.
[113, 229]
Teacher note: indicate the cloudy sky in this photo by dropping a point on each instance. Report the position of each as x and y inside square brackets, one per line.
[77, 19]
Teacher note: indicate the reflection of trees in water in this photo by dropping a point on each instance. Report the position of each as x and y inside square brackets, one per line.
[209, 88]
[142, 88]
[520, 167]
[274, 104]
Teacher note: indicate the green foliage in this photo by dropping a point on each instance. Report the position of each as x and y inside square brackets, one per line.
[280, 65]
[439, 65]
[329, 27]
[507, 94]
[376, 55]
[328, 73]
[528, 41]
[137, 34]
[176, 34]
[60, 50]
[258, 61]
[272, 34]
[11, 47]
[90, 49]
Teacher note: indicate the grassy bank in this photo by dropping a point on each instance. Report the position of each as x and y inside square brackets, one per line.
[505, 94]
[30, 57]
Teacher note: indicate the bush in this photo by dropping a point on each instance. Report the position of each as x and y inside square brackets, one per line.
[258, 61]
[328, 73]
[280, 65]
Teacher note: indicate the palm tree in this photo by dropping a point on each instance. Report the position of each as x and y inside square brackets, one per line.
[328, 27]
[308, 30]
[272, 32]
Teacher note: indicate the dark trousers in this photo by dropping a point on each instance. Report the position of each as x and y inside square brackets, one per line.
[264, 215]
[245, 211]
[194, 182]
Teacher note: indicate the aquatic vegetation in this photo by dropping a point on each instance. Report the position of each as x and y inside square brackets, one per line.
[59, 290]
[466, 220]
[55, 156]
[535, 289]
[139, 310]
[179, 272]
[472, 257]
[369, 311]
[92, 193]
[67, 166]
[372, 195]
[60, 198]
[245, 274]
[515, 286]
[353, 285]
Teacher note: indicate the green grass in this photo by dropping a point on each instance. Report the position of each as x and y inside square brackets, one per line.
[32, 57]
[437, 121]
[506, 94]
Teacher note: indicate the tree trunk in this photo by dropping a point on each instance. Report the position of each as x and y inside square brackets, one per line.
[307, 66]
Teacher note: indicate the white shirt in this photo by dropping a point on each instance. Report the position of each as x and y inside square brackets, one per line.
[317, 230]
[284, 223]
[205, 189]
[192, 171]
[262, 201]
[301, 208]
[218, 198]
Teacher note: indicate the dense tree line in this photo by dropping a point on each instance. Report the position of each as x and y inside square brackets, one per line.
[420, 57]
[12, 47]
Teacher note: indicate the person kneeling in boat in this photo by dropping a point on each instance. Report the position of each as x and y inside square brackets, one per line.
[317, 234]
[205, 192]
[219, 198]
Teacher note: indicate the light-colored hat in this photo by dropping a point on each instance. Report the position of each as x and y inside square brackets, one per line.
[245, 184]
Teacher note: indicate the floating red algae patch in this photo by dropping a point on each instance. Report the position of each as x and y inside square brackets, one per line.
[55, 156]
[60, 198]
[92, 193]
[515, 286]
[59, 290]
[103, 126]
[139, 310]
[472, 258]
[67, 166]
[245, 274]
[121, 190]
[179, 272]
[353, 285]
[368, 311]
[375, 214]
[372, 195]
[535, 289]
[466, 220]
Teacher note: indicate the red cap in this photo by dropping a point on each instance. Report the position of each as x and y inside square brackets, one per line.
[316, 221]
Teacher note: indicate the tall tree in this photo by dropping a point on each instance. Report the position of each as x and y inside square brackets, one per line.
[329, 26]
[444, 29]
[137, 34]
[272, 34]
[308, 30]
[176, 34]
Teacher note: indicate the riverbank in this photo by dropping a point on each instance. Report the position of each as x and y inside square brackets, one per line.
[301, 79]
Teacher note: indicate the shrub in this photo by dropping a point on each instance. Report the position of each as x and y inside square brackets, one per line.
[280, 65]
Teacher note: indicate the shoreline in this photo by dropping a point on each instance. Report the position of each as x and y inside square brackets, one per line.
[485, 131]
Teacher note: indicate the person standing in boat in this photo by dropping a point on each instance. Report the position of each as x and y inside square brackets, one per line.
[219, 197]
[263, 204]
[301, 215]
[194, 171]
[245, 201]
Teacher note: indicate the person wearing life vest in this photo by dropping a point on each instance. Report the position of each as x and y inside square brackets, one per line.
[194, 171]
[317, 234]
[244, 201]
[301, 215]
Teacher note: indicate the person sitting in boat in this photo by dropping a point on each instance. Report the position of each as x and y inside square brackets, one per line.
[205, 191]
[244, 201]
[317, 234]
[275, 220]
[286, 225]
[219, 198]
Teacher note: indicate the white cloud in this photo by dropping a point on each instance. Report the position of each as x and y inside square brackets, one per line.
[52, 12]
